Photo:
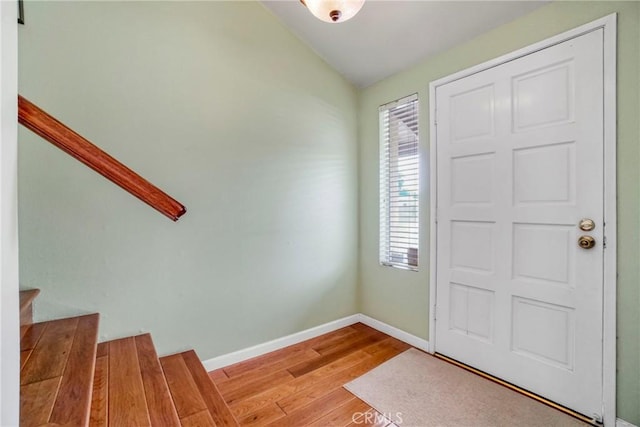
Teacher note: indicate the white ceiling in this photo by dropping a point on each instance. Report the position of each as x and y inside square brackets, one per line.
[388, 36]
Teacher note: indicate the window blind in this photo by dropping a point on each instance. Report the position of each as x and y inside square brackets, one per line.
[399, 183]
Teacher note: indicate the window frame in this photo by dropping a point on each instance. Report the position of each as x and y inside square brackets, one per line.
[399, 203]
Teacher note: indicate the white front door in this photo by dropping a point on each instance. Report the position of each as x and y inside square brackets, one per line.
[519, 165]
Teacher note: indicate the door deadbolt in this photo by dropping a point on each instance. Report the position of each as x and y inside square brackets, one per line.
[586, 224]
[586, 242]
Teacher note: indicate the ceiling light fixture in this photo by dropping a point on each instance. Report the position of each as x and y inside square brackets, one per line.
[333, 11]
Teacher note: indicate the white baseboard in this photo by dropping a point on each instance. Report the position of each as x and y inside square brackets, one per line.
[278, 343]
[260, 349]
[622, 423]
[415, 341]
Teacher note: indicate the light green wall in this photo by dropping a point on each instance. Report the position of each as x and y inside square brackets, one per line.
[401, 298]
[222, 107]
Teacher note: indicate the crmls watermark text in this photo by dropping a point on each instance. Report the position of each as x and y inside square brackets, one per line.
[373, 417]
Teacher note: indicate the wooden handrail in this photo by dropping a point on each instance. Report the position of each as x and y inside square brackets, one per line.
[34, 118]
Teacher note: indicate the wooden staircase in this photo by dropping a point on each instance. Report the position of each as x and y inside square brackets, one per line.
[67, 378]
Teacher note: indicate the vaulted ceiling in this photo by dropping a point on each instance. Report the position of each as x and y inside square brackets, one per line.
[387, 36]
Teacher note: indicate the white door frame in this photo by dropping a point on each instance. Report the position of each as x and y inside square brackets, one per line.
[9, 304]
[609, 25]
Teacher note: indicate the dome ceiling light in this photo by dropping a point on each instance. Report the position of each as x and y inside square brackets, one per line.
[333, 11]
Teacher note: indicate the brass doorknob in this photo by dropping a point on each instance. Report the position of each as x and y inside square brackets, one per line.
[586, 242]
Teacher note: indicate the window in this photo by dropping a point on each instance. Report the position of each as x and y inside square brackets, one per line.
[399, 183]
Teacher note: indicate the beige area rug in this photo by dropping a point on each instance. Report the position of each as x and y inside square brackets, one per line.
[415, 389]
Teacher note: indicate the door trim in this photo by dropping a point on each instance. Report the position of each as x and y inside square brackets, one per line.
[609, 26]
[9, 303]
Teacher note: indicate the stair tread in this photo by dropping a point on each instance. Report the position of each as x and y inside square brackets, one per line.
[26, 308]
[27, 296]
[184, 390]
[193, 391]
[161, 409]
[129, 386]
[99, 416]
[56, 376]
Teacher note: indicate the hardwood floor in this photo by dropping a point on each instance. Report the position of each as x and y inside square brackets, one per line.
[301, 385]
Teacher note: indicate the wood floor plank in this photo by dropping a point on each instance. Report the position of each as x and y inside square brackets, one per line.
[315, 410]
[262, 416]
[388, 342]
[337, 334]
[184, 390]
[199, 419]
[162, 412]
[236, 391]
[342, 415]
[219, 410]
[127, 405]
[218, 375]
[304, 397]
[283, 354]
[99, 416]
[334, 354]
[74, 402]
[325, 386]
[252, 404]
[321, 346]
[295, 357]
[37, 400]
[49, 356]
[261, 361]
[331, 345]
